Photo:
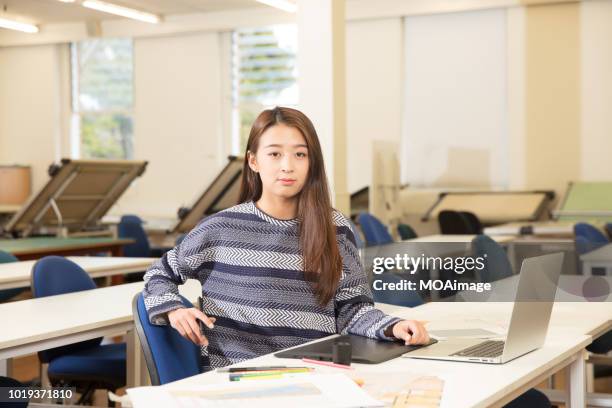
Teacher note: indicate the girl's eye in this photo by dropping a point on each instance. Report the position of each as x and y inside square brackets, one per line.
[274, 154]
[301, 154]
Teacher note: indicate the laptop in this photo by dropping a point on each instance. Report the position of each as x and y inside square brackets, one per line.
[363, 349]
[535, 296]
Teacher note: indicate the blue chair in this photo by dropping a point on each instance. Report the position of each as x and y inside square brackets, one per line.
[130, 226]
[405, 232]
[594, 235]
[374, 231]
[169, 356]
[358, 240]
[87, 365]
[8, 294]
[497, 265]
[408, 298]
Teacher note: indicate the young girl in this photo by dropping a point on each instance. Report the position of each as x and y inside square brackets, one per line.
[279, 269]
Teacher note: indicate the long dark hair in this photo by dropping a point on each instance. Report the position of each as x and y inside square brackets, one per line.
[322, 261]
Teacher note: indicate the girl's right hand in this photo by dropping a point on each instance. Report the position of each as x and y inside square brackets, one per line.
[185, 321]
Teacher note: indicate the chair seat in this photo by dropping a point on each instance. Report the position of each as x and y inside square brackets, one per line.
[105, 363]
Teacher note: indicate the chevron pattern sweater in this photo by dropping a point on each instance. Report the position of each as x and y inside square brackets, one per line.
[250, 268]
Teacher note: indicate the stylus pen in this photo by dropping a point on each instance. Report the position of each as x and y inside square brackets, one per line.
[201, 307]
[327, 363]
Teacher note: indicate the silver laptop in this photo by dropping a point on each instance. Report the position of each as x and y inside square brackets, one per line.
[535, 296]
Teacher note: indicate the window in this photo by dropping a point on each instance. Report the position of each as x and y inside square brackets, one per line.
[102, 98]
[264, 75]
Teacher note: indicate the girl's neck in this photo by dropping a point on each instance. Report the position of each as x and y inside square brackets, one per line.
[278, 207]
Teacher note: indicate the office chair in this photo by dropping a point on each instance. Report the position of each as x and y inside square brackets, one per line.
[407, 298]
[453, 222]
[473, 222]
[7, 294]
[405, 232]
[87, 365]
[497, 265]
[594, 235]
[130, 226]
[169, 356]
[374, 231]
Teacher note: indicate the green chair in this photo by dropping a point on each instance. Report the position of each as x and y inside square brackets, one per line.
[405, 232]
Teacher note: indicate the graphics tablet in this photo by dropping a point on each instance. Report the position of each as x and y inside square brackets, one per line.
[364, 349]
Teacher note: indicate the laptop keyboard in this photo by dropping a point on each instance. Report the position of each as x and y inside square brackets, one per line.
[489, 348]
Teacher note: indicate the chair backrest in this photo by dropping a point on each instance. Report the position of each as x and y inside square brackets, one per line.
[5, 257]
[56, 275]
[497, 266]
[407, 298]
[584, 245]
[473, 222]
[453, 222]
[374, 231]
[169, 356]
[591, 233]
[358, 240]
[130, 226]
[405, 231]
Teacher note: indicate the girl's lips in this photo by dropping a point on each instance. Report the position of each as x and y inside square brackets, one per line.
[287, 181]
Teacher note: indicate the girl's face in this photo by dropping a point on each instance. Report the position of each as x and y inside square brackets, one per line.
[281, 161]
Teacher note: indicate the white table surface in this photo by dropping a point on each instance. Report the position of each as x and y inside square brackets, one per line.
[17, 274]
[467, 384]
[38, 324]
[448, 238]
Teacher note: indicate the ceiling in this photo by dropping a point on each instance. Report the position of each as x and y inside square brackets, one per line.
[55, 11]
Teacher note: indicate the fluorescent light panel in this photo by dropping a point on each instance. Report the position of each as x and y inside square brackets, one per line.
[16, 25]
[284, 5]
[121, 11]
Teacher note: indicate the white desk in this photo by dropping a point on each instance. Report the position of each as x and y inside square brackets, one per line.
[450, 238]
[468, 385]
[17, 274]
[539, 229]
[599, 258]
[43, 323]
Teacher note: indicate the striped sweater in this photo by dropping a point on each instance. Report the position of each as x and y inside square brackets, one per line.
[250, 268]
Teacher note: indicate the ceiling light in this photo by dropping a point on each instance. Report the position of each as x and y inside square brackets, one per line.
[67, 1]
[121, 11]
[16, 25]
[284, 5]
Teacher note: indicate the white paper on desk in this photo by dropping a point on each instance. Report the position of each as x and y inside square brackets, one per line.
[320, 390]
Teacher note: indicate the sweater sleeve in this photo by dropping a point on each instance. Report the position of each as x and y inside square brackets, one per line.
[161, 294]
[354, 304]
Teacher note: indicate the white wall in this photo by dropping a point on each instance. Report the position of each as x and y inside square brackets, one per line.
[374, 50]
[30, 114]
[455, 117]
[177, 122]
[596, 78]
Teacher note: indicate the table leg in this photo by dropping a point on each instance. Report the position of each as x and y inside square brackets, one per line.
[137, 373]
[577, 383]
[6, 367]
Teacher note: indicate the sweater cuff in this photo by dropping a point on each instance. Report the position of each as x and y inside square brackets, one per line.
[159, 315]
[386, 331]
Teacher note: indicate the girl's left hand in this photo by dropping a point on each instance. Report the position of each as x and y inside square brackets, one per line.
[413, 332]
